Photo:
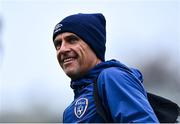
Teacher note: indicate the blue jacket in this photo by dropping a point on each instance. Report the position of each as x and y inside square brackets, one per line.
[121, 91]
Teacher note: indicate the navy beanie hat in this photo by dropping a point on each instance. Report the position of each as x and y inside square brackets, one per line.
[89, 27]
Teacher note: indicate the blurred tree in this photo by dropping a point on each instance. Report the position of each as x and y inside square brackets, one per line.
[161, 76]
[161, 70]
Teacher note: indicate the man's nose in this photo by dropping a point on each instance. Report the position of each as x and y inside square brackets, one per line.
[64, 47]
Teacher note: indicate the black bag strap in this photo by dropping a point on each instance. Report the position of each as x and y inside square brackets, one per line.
[99, 106]
[165, 110]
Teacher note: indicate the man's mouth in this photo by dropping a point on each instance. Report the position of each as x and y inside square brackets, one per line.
[68, 60]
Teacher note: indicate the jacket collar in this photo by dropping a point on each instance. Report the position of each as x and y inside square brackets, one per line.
[94, 72]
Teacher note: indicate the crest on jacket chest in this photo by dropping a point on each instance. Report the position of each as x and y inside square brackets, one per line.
[80, 107]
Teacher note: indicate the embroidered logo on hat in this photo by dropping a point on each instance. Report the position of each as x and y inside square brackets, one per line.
[57, 28]
[80, 107]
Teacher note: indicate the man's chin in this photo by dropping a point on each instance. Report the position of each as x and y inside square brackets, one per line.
[71, 73]
[72, 76]
[71, 69]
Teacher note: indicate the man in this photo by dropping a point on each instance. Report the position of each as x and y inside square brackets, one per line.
[80, 44]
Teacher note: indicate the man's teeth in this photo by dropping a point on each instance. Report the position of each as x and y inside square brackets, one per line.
[68, 59]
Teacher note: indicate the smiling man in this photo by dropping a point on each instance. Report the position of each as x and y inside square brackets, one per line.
[80, 40]
[74, 55]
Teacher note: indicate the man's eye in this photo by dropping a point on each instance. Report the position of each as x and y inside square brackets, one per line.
[73, 39]
[57, 44]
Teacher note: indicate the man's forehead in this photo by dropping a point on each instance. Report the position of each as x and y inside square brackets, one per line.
[64, 35]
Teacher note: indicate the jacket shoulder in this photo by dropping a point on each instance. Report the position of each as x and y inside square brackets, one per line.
[123, 79]
[116, 73]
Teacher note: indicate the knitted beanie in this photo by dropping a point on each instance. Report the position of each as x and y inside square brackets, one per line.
[89, 27]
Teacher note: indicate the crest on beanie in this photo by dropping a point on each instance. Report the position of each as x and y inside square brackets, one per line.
[80, 107]
[58, 27]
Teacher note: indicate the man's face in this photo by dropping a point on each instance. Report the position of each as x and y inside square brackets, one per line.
[74, 55]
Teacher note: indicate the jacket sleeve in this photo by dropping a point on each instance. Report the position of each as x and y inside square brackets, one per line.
[124, 96]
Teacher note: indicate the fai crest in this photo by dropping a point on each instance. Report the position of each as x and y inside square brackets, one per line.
[80, 107]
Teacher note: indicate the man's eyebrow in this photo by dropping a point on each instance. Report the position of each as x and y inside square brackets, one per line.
[71, 36]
